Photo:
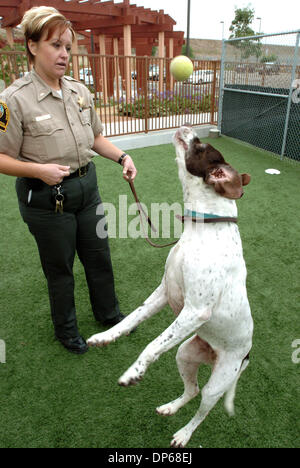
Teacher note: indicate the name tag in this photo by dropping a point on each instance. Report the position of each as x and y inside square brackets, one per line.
[43, 117]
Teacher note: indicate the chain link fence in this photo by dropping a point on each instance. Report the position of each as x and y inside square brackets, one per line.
[260, 92]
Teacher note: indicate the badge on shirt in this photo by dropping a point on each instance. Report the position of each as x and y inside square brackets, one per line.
[81, 103]
[4, 116]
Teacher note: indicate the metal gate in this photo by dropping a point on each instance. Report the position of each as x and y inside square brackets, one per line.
[260, 92]
[135, 94]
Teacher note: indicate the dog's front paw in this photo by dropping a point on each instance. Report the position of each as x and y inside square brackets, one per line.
[181, 438]
[167, 410]
[100, 339]
[131, 377]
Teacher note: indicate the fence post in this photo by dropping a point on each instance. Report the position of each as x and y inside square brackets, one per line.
[221, 86]
[288, 110]
[213, 95]
[146, 93]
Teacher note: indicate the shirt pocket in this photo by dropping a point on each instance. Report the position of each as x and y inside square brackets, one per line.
[44, 141]
[85, 118]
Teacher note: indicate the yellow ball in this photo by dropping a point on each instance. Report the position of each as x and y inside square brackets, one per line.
[181, 67]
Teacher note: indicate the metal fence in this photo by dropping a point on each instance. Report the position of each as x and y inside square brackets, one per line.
[137, 94]
[260, 92]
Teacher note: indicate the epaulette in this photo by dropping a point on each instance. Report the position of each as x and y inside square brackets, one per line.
[70, 78]
[16, 85]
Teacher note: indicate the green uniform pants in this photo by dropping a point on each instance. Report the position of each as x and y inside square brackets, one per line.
[60, 236]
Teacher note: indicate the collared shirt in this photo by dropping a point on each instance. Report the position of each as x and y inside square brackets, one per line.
[39, 125]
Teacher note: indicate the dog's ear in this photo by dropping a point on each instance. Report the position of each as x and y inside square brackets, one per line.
[217, 175]
[246, 179]
[227, 181]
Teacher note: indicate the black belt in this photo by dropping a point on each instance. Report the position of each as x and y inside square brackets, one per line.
[38, 184]
[81, 172]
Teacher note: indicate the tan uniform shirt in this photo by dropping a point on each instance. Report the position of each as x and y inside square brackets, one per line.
[38, 125]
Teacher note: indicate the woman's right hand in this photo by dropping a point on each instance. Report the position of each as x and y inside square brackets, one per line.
[53, 174]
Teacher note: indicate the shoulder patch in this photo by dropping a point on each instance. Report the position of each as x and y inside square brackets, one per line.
[4, 116]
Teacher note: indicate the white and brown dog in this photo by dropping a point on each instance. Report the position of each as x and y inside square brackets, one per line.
[204, 283]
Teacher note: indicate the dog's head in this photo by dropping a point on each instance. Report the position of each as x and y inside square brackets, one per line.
[203, 160]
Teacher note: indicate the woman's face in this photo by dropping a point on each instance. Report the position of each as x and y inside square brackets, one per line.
[51, 56]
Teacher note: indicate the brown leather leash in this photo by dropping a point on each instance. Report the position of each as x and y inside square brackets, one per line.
[141, 210]
[219, 219]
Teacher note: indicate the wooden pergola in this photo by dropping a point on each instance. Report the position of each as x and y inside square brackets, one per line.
[107, 27]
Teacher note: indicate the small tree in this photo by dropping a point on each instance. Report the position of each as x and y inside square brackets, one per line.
[191, 52]
[240, 27]
[269, 58]
[153, 51]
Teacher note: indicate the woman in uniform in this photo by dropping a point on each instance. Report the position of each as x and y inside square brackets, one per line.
[48, 127]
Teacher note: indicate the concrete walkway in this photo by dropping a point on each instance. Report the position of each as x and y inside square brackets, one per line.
[154, 138]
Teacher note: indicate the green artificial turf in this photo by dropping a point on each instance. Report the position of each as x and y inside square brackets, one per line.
[51, 398]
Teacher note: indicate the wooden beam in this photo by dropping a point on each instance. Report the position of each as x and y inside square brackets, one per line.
[104, 9]
[12, 19]
[171, 47]
[161, 42]
[83, 17]
[103, 68]
[10, 37]
[75, 61]
[170, 77]
[101, 23]
[116, 46]
[116, 24]
[149, 35]
[127, 39]
[127, 53]
[102, 44]
[9, 3]
[161, 55]
[135, 29]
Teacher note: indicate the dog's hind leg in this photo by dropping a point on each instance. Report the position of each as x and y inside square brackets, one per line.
[230, 394]
[226, 370]
[190, 355]
[151, 306]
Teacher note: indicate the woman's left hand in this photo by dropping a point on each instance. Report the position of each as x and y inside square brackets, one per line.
[129, 169]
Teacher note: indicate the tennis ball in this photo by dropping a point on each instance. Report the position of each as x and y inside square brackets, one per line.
[181, 67]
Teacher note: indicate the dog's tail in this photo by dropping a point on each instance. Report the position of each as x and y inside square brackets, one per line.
[230, 394]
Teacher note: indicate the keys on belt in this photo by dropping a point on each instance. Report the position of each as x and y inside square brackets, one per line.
[58, 191]
[59, 199]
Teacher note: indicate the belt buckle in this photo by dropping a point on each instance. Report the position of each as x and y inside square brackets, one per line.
[82, 171]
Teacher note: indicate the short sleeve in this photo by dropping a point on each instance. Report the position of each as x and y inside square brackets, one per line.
[11, 131]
